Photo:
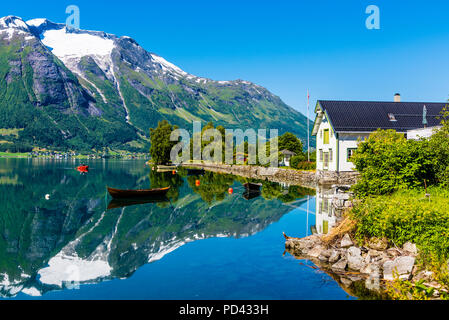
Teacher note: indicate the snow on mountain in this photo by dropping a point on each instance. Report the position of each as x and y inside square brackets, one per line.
[36, 22]
[64, 268]
[66, 44]
[13, 25]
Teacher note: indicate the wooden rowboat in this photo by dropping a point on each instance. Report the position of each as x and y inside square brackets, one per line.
[140, 194]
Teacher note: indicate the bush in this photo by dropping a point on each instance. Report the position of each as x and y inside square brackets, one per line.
[388, 162]
[295, 160]
[407, 216]
[306, 165]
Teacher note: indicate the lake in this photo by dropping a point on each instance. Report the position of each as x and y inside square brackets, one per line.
[59, 240]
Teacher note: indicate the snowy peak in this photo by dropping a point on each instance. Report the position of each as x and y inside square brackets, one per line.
[13, 22]
[11, 26]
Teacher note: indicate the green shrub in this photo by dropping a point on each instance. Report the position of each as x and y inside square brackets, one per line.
[306, 165]
[407, 216]
[388, 162]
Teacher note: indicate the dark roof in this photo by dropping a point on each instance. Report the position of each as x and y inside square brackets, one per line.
[288, 152]
[367, 116]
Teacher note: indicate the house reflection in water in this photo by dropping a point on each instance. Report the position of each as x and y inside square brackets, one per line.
[326, 216]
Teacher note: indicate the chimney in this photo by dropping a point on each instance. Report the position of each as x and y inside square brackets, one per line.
[397, 97]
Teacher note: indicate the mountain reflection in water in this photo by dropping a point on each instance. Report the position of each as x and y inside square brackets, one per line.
[77, 235]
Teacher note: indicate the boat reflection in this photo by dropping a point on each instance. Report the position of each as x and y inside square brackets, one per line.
[248, 195]
[120, 203]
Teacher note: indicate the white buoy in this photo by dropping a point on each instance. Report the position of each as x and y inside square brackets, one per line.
[47, 197]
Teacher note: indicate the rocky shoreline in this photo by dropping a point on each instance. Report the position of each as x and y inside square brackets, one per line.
[375, 264]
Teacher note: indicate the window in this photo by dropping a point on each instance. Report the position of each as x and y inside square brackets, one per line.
[350, 153]
[326, 136]
[321, 155]
[391, 117]
[330, 155]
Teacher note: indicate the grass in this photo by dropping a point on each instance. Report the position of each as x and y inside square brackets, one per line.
[407, 215]
[13, 155]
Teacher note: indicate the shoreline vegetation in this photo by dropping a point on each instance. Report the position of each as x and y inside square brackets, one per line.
[399, 202]
[74, 155]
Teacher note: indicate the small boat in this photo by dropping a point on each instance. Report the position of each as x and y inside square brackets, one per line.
[195, 172]
[140, 194]
[83, 168]
[252, 186]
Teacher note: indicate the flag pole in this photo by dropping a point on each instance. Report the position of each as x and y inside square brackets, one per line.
[308, 124]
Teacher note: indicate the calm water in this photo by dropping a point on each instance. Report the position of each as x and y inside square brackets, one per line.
[56, 228]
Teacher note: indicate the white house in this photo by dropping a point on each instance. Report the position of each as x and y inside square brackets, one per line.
[417, 134]
[340, 124]
[286, 156]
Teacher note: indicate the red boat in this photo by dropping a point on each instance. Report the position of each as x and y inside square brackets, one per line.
[83, 169]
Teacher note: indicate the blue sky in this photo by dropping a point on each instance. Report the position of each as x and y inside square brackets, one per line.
[285, 46]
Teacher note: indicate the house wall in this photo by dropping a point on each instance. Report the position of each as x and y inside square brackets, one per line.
[339, 144]
[347, 141]
[332, 145]
[417, 134]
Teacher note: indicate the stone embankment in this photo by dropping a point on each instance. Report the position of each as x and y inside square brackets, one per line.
[281, 175]
[375, 264]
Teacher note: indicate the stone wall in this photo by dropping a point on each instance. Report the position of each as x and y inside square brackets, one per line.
[294, 177]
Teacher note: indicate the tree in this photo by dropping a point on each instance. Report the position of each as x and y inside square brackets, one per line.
[289, 141]
[160, 142]
[439, 143]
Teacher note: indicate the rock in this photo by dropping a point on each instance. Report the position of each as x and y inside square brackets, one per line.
[423, 275]
[327, 253]
[374, 253]
[378, 244]
[335, 255]
[355, 260]
[372, 269]
[304, 245]
[402, 266]
[316, 251]
[346, 241]
[393, 252]
[372, 283]
[323, 258]
[410, 248]
[346, 282]
[340, 265]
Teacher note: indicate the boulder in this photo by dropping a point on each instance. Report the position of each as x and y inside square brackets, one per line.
[378, 244]
[410, 248]
[393, 252]
[346, 282]
[402, 266]
[315, 252]
[335, 255]
[340, 266]
[355, 259]
[372, 269]
[323, 258]
[346, 241]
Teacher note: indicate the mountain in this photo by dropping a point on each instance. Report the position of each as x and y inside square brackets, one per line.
[78, 89]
